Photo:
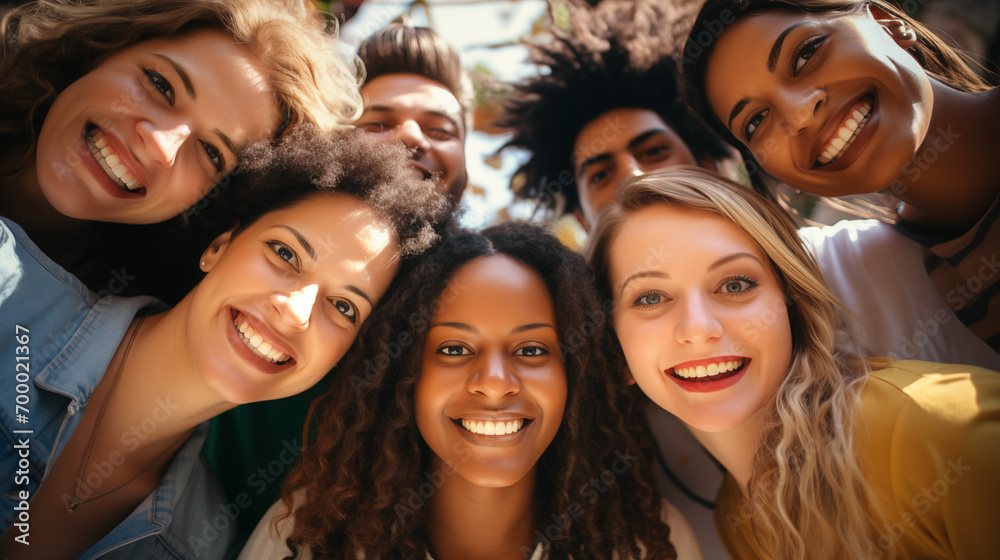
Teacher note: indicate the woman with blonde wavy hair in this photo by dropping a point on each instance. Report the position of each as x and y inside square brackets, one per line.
[725, 321]
[130, 112]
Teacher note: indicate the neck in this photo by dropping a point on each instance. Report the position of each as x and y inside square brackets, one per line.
[953, 177]
[22, 200]
[734, 448]
[160, 395]
[471, 522]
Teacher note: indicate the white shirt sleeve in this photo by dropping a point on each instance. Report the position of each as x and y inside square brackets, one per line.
[879, 275]
[681, 534]
[265, 543]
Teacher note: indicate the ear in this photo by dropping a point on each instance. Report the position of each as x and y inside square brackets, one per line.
[629, 380]
[899, 30]
[215, 250]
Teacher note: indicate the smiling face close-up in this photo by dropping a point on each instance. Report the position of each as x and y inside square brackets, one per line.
[832, 104]
[492, 388]
[152, 128]
[700, 314]
[619, 144]
[426, 117]
[283, 300]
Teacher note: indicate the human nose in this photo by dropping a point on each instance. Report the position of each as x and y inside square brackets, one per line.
[627, 168]
[410, 134]
[798, 108]
[698, 322]
[295, 308]
[494, 377]
[163, 140]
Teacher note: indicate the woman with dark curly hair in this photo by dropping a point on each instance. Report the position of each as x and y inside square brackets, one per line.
[129, 112]
[118, 391]
[477, 418]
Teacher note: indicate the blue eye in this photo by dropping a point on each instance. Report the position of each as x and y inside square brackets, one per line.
[161, 84]
[649, 299]
[737, 285]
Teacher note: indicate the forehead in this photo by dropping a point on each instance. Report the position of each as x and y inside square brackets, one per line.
[224, 75]
[614, 130]
[512, 292]
[338, 225]
[410, 93]
[663, 235]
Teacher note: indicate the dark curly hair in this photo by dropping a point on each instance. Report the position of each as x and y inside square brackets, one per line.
[364, 451]
[618, 55]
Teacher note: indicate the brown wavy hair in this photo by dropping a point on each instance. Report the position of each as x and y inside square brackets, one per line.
[48, 44]
[364, 453]
[807, 495]
[941, 61]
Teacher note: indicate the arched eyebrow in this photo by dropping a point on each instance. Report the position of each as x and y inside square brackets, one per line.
[772, 58]
[188, 86]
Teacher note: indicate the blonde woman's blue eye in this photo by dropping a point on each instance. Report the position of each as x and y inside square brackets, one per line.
[738, 286]
[530, 351]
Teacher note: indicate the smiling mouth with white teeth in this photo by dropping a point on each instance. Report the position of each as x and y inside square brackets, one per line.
[492, 428]
[710, 372]
[255, 342]
[847, 132]
[110, 162]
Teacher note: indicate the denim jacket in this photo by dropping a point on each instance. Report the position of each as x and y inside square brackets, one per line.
[69, 336]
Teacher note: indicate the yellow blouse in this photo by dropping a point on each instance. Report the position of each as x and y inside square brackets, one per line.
[932, 457]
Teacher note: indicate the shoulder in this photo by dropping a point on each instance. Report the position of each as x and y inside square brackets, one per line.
[268, 539]
[681, 534]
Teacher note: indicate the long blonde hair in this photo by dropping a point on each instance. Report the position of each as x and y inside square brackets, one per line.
[47, 45]
[807, 495]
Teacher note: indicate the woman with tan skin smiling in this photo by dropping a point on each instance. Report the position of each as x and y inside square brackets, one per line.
[477, 419]
[725, 321]
[840, 97]
[118, 394]
[134, 124]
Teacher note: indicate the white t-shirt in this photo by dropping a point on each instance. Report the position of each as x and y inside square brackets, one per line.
[879, 274]
[264, 544]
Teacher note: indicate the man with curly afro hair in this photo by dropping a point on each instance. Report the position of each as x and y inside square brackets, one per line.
[416, 92]
[605, 106]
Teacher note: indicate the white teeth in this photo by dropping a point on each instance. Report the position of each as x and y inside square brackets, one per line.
[709, 370]
[110, 162]
[489, 428]
[845, 135]
[255, 342]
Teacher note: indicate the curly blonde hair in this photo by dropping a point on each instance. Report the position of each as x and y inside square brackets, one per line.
[48, 44]
[807, 495]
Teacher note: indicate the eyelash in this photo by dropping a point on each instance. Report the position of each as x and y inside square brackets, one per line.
[804, 52]
[754, 121]
[163, 86]
[468, 352]
[351, 309]
[751, 285]
[277, 246]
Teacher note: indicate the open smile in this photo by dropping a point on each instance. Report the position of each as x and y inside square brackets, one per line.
[265, 350]
[858, 116]
[491, 427]
[111, 162]
[712, 374]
